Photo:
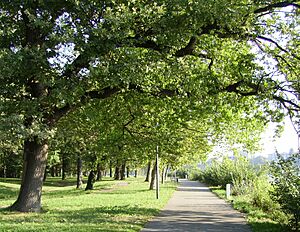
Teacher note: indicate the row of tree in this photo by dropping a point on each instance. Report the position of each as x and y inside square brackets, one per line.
[111, 78]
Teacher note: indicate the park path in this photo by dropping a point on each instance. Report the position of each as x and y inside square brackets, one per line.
[193, 207]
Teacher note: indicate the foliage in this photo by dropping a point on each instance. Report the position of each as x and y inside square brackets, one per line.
[286, 182]
[258, 219]
[245, 179]
[237, 171]
[204, 63]
[109, 207]
[254, 194]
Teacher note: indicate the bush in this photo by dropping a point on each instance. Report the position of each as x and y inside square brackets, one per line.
[286, 182]
[259, 193]
[246, 179]
[238, 172]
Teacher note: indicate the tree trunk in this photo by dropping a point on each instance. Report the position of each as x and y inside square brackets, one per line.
[123, 170]
[99, 172]
[52, 171]
[153, 177]
[79, 172]
[166, 172]
[135, 173]
[91, 181]
[163, 175]
[45, 174]
[110, 169]
[34, 165]
[127, 173]
[117, 173]
[58, 171]
[63, 167]
[148, 172]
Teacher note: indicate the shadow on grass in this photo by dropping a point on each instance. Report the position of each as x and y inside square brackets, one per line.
[11, 180]
[58, 182]
[128, 192]
[105, 214]
[8, 192]
[102, 188]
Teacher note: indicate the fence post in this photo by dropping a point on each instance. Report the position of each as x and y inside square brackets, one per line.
[227, 191]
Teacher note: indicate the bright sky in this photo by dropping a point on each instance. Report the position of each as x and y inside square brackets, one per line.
[287, 140]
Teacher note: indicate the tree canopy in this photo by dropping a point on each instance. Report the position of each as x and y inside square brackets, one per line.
[220, 66]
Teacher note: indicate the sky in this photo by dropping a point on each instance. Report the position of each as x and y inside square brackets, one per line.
[287, 140]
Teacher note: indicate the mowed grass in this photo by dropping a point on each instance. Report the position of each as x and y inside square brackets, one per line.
[111, 206]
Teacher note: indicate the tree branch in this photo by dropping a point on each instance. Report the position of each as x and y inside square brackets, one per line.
[276, 5]
[277, 45]
[284, 101]
[188, 49]
[234, 88]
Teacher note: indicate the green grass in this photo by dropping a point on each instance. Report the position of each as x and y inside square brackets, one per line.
[111, 206]
[259, 220]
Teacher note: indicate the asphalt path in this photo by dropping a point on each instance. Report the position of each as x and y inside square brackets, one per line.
[193, 207]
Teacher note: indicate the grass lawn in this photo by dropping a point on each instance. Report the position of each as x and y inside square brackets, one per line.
[111, 206]
[259, 221]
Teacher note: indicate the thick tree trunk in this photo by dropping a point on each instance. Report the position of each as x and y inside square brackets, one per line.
[153, 177]
[91, 181]
[79, 172]
[148, 172]
[99, 172]
[34, 165]
[117, 173]
[123, 170]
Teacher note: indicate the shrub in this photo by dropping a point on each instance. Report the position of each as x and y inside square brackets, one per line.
[259, 193]
[238, 172]
[246, 179]
[286, 182]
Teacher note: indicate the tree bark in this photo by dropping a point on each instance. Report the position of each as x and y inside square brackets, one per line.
[99, 172]
[166, 172]
[153, 177]
[34, 165]
[91, 181]
[63, 167]
[163, 175]
[148, 172]
[52, 171]
[127, 172]
[135, 173]
[123, 170]
[45, 173]
[79, 172]
[117, 173]
[110, 169]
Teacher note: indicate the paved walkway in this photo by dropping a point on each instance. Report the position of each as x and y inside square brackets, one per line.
[194, 207]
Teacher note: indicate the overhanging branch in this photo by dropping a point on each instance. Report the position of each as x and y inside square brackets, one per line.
[286, 101]
[276, 5]
[277, 45]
